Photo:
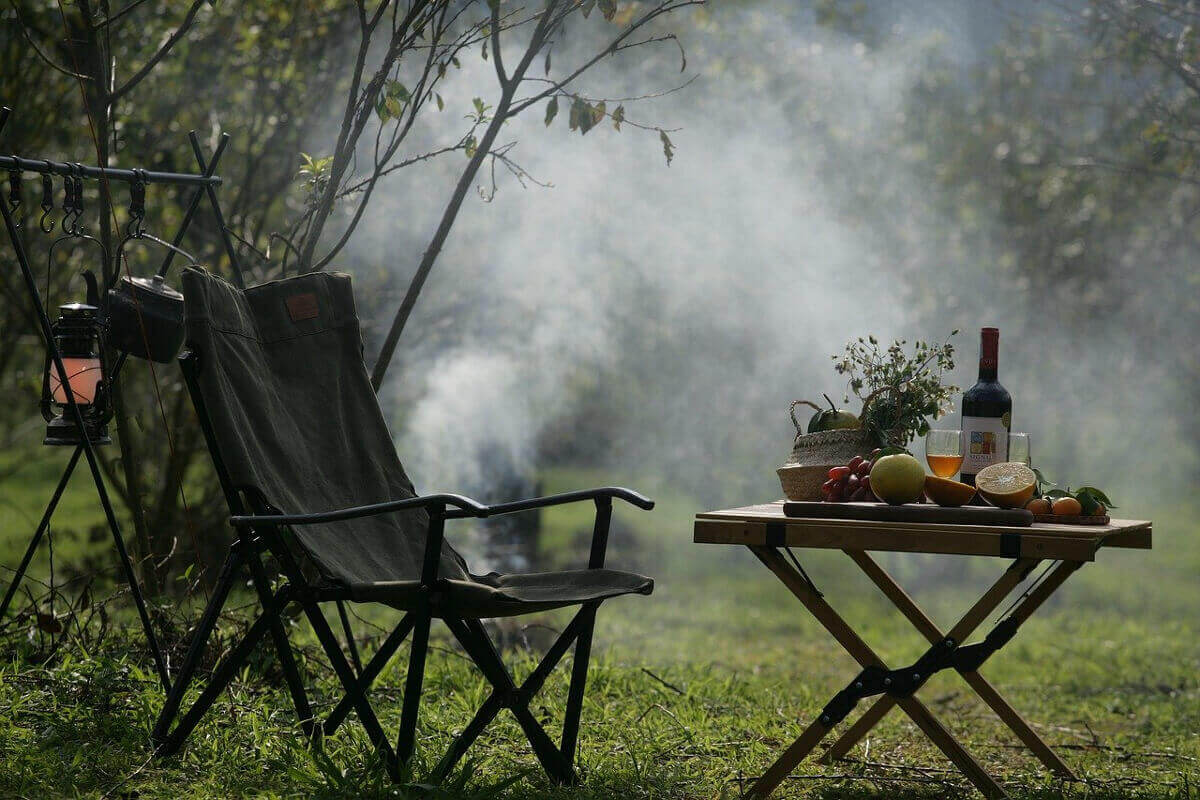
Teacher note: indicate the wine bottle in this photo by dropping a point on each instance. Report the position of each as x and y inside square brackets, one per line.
[986, 412]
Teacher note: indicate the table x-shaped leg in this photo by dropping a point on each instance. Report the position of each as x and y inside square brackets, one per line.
[958, 633]
[866, 657]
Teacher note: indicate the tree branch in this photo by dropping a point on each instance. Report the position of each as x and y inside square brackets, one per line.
[25, 31]
[162, 53]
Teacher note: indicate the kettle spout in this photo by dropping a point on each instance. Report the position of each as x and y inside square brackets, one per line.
[93, 288]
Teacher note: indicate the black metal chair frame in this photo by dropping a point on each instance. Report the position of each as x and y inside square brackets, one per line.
[258, 530]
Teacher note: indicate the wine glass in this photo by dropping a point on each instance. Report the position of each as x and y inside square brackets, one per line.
[944, 452]
[1018, 448]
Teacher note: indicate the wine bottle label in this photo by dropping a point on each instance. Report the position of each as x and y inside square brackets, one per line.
[985, 442]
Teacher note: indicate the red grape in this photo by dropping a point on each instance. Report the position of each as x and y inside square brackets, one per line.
[859, 494]
[864, 469]
[854, 462]
[839, 473]
[852, 484]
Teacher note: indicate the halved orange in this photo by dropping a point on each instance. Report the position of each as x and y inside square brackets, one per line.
[946, 492]
[1008, 485]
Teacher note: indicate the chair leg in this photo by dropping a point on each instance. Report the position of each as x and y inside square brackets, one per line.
[221, 677]
[458, 748]
[583, 653]
[195, 651]
[366, 714]
[283, 647]
[483, 653]
[351, 645]
[368, 675]
[407, 738]
[496, 700]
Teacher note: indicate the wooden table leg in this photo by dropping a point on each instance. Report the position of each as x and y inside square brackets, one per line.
[865, 656]
[999, 590]
[985, 690]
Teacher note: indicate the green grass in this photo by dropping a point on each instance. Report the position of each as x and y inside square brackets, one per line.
[694, 688]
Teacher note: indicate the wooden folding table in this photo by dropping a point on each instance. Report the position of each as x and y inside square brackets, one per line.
[768, 532]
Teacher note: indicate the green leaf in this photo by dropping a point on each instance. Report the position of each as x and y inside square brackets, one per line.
[1088, 505]
[581, 116]
[587, 7]
[608, 8]
[618, 116]
[551, 110]
[440, 104]
[599, 111]
[668, 148]
[1100, 496]
[587, 117]
[471, 146]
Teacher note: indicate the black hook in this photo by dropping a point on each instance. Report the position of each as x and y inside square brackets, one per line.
[68, 204]
[14, 194]
[76, 228]
[47, 201]
[137, 205]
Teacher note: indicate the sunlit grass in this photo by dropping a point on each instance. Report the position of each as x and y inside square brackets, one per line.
[693, 689]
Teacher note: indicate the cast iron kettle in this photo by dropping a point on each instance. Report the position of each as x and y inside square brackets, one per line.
[145, 318]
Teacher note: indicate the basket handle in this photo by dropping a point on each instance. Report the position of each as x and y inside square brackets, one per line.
[792, 413]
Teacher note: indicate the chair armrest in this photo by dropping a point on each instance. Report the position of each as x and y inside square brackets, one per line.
[609, 492]
[466, 507]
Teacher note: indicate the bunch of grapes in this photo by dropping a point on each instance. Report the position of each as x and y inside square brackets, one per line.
[851, 482]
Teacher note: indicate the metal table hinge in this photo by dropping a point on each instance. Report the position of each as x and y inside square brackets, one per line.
[1010, 545]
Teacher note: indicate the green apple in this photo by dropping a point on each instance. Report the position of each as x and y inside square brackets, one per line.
[898, 479]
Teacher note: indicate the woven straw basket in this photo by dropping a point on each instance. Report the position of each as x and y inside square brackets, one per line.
[814, 454]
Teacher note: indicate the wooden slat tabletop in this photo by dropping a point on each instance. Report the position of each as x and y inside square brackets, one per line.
[766, 524]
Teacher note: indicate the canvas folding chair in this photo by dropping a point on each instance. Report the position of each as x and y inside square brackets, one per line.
[312, 479]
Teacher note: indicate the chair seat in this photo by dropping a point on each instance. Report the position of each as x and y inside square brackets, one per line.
[496, 595]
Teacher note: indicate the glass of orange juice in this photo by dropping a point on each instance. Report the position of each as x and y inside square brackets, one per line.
[944, 452]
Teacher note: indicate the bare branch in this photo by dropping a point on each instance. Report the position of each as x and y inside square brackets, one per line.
[162, 53]
[25, 31]
[613, 47]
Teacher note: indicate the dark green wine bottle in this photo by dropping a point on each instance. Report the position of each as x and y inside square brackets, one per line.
[986, 412]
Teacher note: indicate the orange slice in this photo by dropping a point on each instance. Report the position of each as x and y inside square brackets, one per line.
[946, 492]
[1008, 485]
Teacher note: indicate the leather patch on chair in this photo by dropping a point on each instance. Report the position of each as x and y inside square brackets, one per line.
[303, 306]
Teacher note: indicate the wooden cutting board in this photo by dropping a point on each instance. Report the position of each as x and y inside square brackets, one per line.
[911, 512]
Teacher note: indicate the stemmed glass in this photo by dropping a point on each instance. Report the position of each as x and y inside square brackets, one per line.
[1018, 448]
[944, 452]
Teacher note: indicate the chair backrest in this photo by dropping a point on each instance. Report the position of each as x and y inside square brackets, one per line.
[294, 419]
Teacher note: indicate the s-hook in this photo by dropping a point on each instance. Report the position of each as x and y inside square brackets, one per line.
[137, 206]
[14, 195]
[75, 227]
[68, 203]
[47, 203]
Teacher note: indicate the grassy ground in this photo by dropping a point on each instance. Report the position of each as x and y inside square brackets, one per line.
[694, 690]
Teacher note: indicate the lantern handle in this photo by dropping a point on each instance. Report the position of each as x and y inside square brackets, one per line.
[75, 236]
